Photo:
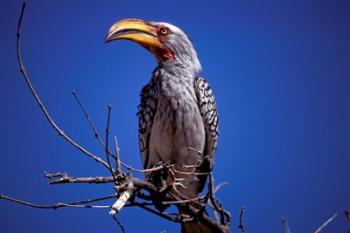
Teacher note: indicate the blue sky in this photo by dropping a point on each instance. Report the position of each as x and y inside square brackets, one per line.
[280, 72]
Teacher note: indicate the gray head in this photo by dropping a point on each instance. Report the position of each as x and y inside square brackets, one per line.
[170, 45]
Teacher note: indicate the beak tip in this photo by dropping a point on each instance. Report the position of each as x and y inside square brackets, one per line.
[107, 39]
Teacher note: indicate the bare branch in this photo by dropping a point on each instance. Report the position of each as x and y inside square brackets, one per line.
[241, 224]
[153, 169]
[117, 155]
[225, 216]
[138, 183]
[39, 102]
[65, 179]
[89, 120]
[110, 168]
[191, 173]
[182, 201]
[119, 224]
[319, 230]
[76, 204]
[99, 139]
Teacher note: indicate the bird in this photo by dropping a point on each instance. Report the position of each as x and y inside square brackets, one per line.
[178, 118]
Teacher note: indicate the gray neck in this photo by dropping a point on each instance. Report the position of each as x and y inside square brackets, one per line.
[178, 69]
[186, 57]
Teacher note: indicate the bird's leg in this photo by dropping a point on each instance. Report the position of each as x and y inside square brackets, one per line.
[176, 181]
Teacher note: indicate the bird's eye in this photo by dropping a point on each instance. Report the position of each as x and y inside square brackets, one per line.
[164, 31]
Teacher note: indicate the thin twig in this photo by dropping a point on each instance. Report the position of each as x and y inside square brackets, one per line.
[39, 102]
[109, 109]
[117, 155]
[182, 201]
[89, 120]
[99, 139]
[119, 223]
[76, 204]
[191, 173]
[286, 225]
[224, 215]
[219, 186]
[241, 224]
[326, 223]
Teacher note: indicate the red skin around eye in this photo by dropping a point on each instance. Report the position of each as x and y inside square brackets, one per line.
[166, 53]
[162, 37]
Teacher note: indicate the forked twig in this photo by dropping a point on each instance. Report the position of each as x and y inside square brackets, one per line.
[88, 118]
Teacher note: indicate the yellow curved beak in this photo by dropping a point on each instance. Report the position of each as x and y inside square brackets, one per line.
[136, 30]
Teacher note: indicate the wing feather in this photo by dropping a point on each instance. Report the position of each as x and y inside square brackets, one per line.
[207, 107]
[146, 112]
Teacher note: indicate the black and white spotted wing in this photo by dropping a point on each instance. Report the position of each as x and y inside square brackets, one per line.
[146, 112]
[207, 107]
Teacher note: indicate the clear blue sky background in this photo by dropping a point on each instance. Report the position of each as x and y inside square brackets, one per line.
[280, 72]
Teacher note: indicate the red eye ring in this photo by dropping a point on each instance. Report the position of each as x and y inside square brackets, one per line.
[164, 31]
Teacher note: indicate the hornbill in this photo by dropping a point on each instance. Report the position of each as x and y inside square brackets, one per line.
[177, 110]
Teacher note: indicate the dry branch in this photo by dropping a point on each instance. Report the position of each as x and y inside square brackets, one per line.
[75, 204]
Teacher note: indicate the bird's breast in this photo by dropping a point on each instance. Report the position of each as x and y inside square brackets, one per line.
[178, 123]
